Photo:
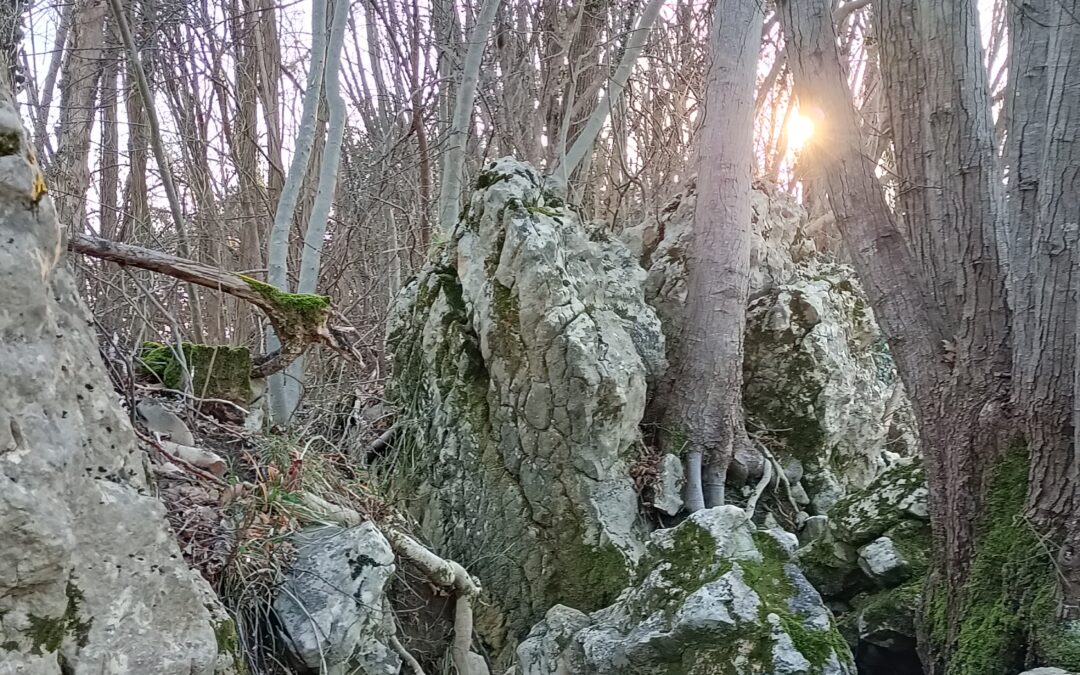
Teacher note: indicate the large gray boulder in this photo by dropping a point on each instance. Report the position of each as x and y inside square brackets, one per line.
[332, 608]
[520, 356]
[91, 578]
[712, 597]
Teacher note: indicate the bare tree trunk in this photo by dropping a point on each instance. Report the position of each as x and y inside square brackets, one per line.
[278, 250]
[962, 393]
[583, 144]
[41, 117]
[69, 175]
[453, 166]
[156, 144]
[315, 236]
[704, 414]
[1044, 103]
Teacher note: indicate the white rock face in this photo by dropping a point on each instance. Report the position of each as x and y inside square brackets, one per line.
[883, 562]
[714, 596]
[90, 575]
[521, 356]
[668, 491]
[333, 608]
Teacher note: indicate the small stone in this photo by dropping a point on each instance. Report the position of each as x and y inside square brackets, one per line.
[667, 492]
[161, 420]
[917, 504]
[828, 491]
[793, 470]
[813, 528]
[798, 494]
[884, 563]
[1047, 671]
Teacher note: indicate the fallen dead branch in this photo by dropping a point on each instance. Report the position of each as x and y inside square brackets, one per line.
[299, 320]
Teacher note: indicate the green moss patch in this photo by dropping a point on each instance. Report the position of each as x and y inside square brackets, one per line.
[46, 634]
[300, 313]
[218, 371]
[769, 579]
[1007, 616]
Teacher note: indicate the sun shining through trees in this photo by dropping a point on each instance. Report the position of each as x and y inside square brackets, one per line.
[799, 129]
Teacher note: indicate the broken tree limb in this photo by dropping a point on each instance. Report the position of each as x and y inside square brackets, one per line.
[299, 320]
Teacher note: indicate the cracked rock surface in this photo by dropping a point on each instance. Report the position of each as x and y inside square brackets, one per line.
[520, 357]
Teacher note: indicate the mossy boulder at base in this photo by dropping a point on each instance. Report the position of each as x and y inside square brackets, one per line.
[712, 596]
[217, 371]
[520, 359]
[870, 560]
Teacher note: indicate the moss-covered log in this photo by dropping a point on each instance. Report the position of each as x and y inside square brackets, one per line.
[299, 320]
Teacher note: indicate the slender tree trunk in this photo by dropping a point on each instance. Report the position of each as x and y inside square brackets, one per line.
[583, 144]
[69, 175]
[704, 414]
[453, 167]
[315, 236]
[278, 251]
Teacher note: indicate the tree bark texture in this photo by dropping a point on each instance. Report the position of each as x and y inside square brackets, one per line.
[996, 279]
[69, 175]
[704, 413]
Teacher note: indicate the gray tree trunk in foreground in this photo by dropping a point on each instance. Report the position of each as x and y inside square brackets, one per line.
[704, 414]
[985, 344]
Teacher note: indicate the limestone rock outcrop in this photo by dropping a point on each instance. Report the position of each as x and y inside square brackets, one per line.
[870, 562]
[713, 596]
[91, 578]
[520, 357]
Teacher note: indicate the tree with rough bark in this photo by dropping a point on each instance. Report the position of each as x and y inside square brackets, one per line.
[973, 282]
[704, 417]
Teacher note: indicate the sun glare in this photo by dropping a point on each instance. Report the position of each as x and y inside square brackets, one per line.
[799, 129]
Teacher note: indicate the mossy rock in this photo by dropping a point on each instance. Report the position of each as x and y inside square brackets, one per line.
[218, 371]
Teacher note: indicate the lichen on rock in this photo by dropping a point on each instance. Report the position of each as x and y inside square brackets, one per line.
[521, 356]
[713, 597]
